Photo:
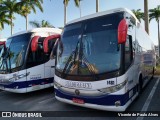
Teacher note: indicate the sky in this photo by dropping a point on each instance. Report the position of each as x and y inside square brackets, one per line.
[54, 13]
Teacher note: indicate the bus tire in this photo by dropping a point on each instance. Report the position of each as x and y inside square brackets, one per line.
[140, 85]
[153, 71]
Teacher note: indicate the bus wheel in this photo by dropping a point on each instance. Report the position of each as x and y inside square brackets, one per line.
[153, 72]
[140, 85]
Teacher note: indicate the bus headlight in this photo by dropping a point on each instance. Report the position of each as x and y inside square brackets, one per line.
[113, 88]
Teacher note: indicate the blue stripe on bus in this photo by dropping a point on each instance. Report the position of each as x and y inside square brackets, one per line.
[108, 100]
[29, 83]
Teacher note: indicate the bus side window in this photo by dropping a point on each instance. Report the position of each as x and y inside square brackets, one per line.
[51, 44]
[37, 57]
[128, 52]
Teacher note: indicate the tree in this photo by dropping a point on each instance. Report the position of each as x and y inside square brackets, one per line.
[4, 18]
[146, 18]
[27, 6]
[155, 14]
[65, 2]
[138, 14]
[97, 5]
[43, 23]
[80, 12]
[10, 7]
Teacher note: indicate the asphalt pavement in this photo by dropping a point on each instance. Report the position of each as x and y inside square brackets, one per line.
[44, 101]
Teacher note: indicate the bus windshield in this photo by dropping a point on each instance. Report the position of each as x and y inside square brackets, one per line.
[14, 54]
[90, 47]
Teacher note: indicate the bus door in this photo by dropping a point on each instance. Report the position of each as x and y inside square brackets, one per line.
[48, 44]
[35, 64]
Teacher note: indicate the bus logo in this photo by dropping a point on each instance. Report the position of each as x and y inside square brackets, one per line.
[83, 85]
[77, 92]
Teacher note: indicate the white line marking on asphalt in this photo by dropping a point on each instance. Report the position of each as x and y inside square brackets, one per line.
[146, 104]
[46, 100]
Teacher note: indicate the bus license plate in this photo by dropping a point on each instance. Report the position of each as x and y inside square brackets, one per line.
[79, 101]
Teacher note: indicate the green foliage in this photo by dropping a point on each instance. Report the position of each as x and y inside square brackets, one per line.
[4, 18]
[22, 7]
[9, 7]
[43, 23]
[26, 6]
[154, 13]
[65, 2]
[138, 14]
[77, 2]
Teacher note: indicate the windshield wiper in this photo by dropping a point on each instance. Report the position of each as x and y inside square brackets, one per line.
[82, 58]
[68, 63]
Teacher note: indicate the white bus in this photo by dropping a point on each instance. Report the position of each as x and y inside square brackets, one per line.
[99, 61]
[26, 64]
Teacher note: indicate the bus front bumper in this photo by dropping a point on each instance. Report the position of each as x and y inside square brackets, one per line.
[106, 102]
[95, 106]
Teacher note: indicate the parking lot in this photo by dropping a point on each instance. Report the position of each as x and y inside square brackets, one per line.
[45, 102]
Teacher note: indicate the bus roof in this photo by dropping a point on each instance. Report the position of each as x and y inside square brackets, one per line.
[104, 13]
[3, 40]
[55, 30]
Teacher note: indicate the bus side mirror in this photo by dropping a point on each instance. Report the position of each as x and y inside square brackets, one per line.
[46, 40]
[122, 31]
[34, 43]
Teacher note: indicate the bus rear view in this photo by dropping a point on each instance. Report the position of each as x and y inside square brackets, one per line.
[95, 59]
